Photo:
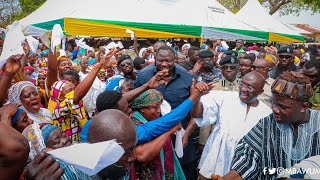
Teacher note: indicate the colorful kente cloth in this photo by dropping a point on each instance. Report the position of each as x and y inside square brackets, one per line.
[68, 116]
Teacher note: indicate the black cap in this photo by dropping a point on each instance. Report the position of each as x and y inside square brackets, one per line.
[229, 60]
[206, 54]
[231, 53]
[286, 50]
[122, 58]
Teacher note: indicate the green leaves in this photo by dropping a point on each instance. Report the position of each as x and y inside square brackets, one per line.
[284, 7]
[28, 6]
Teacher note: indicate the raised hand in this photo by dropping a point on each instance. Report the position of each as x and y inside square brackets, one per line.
[157, 79]
[9, 109]
[194, 92]
[204, 87]
[13, 64]
[106, 61]
[44, 167]
[26, 48]
[197, 67]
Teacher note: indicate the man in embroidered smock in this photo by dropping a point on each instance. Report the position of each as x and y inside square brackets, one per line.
[214, 108]
[312, 70]
[287, 136]
[229, 82]
[175, 90]
[262, 66]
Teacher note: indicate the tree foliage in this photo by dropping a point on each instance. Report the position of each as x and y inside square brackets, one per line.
[11, 10]
[284, 7]
[28, 6]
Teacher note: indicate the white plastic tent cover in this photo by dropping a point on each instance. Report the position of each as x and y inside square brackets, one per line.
[253, 14]
[206, 13]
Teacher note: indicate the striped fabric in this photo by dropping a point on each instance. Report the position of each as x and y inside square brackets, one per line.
[262, 147]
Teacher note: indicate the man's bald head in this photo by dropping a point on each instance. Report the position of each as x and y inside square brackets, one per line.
[111, 124]
[256, 78]
[262, 66]
[114, 124]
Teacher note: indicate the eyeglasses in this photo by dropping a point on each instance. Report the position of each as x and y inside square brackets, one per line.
[250, 88]
[285, 56]
[228, 67]
[122, 64]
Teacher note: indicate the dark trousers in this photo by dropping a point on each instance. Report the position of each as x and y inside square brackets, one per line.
[189, 170]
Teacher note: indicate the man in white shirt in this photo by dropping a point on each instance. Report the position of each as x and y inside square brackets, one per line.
[234, 114]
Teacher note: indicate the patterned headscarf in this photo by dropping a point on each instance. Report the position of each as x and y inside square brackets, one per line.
[56, 90]
[16, 89]
[55, 93]
[147, 98]
[43, 71]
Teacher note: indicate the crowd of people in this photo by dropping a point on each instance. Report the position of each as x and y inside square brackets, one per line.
[242, 109]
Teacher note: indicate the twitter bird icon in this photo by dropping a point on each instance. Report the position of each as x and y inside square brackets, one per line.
[272, 171]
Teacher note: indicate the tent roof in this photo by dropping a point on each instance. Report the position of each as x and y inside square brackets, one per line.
[221, 17]
[152, 11]
[262, 19]
[176, 17]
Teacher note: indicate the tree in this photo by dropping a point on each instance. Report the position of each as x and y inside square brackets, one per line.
[9, 10]
[284, 7]
[28, 6]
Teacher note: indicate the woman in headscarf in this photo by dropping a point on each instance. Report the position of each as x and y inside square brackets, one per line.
[52, 137]
[69, 113]
[15, 116]
[164, 164]
[64, 64]
[26, 93]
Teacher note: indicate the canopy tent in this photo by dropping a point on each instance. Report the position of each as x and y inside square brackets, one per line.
[220, 18]
[147, 18]
[278, 31]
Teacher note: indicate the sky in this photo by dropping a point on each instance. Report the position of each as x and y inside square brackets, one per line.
[304, 18]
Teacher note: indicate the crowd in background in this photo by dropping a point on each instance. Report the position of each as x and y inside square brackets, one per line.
[242, 107]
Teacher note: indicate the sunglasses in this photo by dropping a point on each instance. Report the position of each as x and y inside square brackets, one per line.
[122, 64]
[228, 67]
[285, 56]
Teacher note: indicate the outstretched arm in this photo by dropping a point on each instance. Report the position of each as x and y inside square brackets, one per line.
[155, 128]
[11, 67]
[84, 86]
[135, 45]
[154, 82]
[149, 151]
[52, 75]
